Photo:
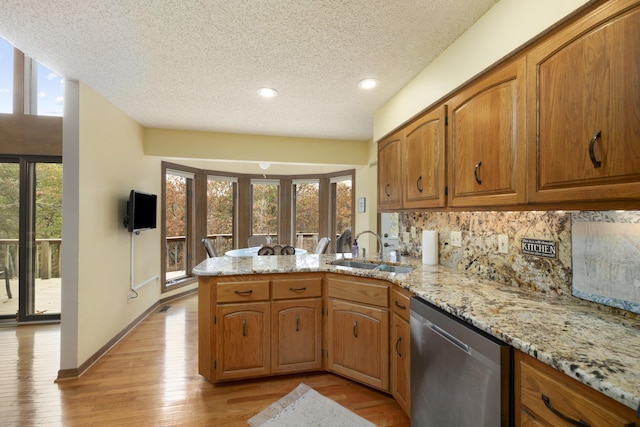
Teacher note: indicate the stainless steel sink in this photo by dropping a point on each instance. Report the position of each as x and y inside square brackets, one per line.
[373, 266]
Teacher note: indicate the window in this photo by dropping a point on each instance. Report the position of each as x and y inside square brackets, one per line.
[50, 92]
[307, 214]
[6, 77]
[342, 195]
[264, 220]
[177, 226]
[220, 212]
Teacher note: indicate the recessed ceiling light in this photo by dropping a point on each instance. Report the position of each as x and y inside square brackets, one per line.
[267, 92]
[367, 83]
[264, 165]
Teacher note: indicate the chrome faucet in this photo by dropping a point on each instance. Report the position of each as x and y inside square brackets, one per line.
[379, 253]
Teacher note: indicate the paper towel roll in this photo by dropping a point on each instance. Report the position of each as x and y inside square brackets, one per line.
[429, 247]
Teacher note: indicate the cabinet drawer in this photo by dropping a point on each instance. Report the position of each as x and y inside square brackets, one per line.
[297, 288]
[567, 397]
[351, 290]
[400, 303]
[254, 290]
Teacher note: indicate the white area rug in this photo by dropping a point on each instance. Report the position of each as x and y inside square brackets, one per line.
[305, 407]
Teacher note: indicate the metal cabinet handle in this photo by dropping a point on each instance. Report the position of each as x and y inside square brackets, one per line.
[355, 328]
[419, 183]
[475, 172]
[244, 327]
[397, 345]
[387, 190]
[400, 306]
[297, 323]
[249, 292]
[304, 288]
[571, 421]
[592, 154]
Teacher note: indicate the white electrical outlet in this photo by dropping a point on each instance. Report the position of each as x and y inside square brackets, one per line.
[456, 238]
[503, 244]
[405, 237]
[413, 231]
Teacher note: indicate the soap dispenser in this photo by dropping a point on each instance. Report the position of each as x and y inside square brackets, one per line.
[354, 248]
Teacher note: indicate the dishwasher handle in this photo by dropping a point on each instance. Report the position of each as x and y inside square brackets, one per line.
[444, 334]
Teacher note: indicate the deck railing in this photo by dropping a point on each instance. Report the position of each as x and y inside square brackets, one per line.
[48, 257]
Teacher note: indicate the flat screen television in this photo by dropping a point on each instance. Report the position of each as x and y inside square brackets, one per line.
[141, 211]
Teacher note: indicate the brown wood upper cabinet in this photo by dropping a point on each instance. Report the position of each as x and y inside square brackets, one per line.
[390, 172]
[485, 138]
[583, 91]
[424, 161]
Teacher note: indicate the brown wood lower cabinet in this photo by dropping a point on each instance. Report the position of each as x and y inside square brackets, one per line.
[297, 335]
[547, 397]
[358, 342]
[244, 346]
[400, 349]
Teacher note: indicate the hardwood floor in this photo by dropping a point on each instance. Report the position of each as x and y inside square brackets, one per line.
[150, 378]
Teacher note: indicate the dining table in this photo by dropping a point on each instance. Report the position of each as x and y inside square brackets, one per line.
[253, 251]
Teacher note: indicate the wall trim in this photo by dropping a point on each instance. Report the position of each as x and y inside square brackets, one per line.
[72, 374]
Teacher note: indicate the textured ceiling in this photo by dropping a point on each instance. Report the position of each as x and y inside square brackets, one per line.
[197, 64]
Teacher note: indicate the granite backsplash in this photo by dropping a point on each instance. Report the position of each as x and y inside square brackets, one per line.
[479, 250]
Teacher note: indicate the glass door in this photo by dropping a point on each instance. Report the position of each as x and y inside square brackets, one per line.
[31, 239]
[9, 237]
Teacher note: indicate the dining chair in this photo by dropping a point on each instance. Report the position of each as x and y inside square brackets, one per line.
[209, 247]
[343, 243]
[257, 240]
[265, 250]
[288, 250]
[322, 245]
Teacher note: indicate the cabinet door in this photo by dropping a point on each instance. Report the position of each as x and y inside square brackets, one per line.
[400, 355]
[358, 342]
[485, 137]
[243, 340]
[424, 177]
[390, 172]
[584, 109]
[546, 396]
[297, 335]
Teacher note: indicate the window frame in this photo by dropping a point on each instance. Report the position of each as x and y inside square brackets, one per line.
[243, 210]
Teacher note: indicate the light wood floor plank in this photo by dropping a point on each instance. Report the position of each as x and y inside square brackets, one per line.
[150, 378]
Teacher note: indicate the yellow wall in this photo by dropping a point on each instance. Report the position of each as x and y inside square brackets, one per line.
[111, 163]
[261, 148]
[505, 27]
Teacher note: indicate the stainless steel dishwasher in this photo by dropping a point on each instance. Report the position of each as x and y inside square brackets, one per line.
[460, 376]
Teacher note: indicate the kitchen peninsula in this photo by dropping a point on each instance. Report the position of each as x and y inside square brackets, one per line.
[589, 344]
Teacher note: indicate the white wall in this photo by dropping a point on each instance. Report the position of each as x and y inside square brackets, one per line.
[502, 30]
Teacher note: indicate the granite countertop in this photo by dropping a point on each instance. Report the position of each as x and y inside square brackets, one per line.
[599, 349]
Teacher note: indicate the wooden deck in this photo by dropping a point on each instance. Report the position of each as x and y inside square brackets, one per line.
[47, 296]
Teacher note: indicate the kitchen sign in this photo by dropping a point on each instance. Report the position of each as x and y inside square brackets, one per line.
[537, 247]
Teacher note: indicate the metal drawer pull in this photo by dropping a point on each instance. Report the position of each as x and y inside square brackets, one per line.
[249, 292]
[419, 183]
[387, 190]
[400, 306]
[355, 328]
[475, 172]
[244, 327]
[397, 344]
[304, 288]
[571, 421]
[592, 154]
[297, 323]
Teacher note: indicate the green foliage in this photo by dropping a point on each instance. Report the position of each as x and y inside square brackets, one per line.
[9, 200]
[48, 201]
